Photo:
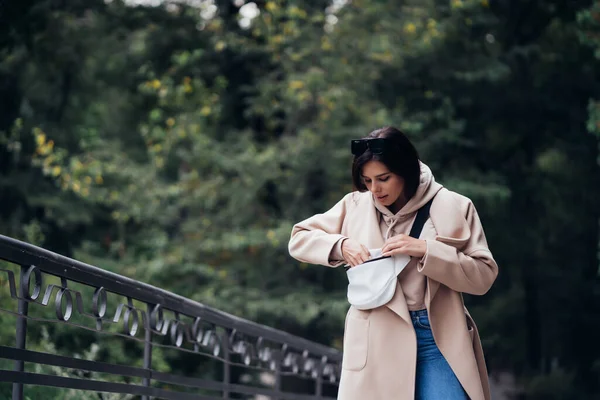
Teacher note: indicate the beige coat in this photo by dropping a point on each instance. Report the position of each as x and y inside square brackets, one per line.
[380, 349]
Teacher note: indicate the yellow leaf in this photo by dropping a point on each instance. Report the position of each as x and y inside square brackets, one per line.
[271, 6]
[99, 180]
[76, 186]
[270, 234]
[43, 150]
[155, 84]
[457, 3]
[410, 28]
[296, 84]
[485, 3]
[325, 44]
[297, 12]
[205, 111]
[56, 171]
[220, 45]
[170, 122]
[87, 180]
[40, 138]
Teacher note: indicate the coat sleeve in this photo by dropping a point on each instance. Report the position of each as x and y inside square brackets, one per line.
[317, 240]
[471, 269]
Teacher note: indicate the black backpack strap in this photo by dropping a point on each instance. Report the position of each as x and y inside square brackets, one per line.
[420, 219]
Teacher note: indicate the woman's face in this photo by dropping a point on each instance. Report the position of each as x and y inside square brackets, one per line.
[387, 187]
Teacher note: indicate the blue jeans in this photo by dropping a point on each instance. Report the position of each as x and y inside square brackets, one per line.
[435, 379]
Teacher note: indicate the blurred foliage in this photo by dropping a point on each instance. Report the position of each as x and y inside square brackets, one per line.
[177, 144]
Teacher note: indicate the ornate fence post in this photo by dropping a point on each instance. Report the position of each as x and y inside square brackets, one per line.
[319, 384]
[226, 364]
[23, 308]
[149, 325]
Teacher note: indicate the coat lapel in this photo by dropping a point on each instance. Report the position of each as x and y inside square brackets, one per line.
[449, 221]
[398, 304]
[368, 232]
[366, 228]
[452, 229]
[432, 288]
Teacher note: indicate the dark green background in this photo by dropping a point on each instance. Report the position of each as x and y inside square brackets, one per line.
[175, 147]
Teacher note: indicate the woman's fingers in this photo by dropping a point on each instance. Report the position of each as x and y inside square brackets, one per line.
[388, 246]
[365, 253]
[391, 250]
[353, 261]
[360, 258]
[355, 253]
[356, 259]
[393, 244]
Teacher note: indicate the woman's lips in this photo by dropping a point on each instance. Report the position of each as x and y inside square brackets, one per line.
[381, 197]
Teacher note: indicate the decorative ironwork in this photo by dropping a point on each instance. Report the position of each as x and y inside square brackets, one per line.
[189, 326]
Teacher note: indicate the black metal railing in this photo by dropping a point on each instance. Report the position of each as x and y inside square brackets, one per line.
[81, 296]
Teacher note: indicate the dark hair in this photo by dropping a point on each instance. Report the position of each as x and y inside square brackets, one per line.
[400, 157]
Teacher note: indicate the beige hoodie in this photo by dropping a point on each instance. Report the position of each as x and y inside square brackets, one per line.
[413, 283]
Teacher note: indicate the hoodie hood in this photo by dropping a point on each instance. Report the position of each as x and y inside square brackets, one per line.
[427, 189]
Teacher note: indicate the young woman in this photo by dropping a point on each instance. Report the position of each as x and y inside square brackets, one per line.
[422, 344]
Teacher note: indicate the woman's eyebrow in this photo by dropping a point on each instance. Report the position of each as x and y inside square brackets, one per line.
[377, 176]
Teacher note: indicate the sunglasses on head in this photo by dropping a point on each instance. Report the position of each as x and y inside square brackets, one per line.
[359, 146]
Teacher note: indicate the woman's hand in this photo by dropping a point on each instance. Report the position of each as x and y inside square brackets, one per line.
[354, 253]
[404, 244]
